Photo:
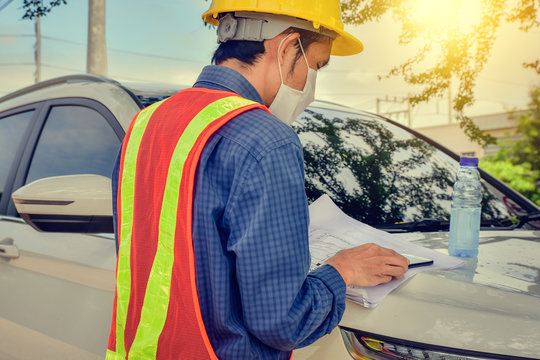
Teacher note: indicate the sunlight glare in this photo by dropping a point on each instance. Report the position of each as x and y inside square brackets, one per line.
[444, 15]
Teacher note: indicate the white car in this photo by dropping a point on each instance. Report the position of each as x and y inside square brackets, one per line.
[58, 143]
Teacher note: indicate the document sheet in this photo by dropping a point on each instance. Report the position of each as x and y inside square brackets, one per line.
[331, 230]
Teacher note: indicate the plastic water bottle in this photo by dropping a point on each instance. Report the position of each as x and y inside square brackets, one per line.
[466, 210]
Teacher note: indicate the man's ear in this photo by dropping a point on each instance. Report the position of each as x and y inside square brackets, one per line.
[288, 46]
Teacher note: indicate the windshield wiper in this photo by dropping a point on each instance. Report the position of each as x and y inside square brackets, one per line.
[423, 225]
[430, 225]
[512, 223]
[525, 219]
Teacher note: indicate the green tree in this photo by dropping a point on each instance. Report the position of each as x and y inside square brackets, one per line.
[454, 39]
[35, 8]
[518, 163]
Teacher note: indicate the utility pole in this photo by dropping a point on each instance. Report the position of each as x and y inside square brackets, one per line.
[96, 53]
[409, 111]
[37, 50]
[449, 104]
[397, 100]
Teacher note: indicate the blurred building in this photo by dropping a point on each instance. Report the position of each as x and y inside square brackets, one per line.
[503, 126]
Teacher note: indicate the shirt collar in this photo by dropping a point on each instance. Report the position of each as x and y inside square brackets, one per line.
[223, 78]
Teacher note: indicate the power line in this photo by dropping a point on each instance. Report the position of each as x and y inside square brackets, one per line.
[17, 35]
[62, 68]
[73, 70]
[45, 65]
[136, 53]
[63, 40]
[16, 64]
[352, 93]
[173, 58]
[156, 56]
[362, 104]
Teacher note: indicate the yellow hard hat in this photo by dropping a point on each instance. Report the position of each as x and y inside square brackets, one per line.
[325, 13]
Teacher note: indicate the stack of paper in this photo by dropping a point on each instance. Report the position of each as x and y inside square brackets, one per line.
[331, 230]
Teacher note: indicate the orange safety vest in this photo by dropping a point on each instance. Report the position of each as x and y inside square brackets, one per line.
[156, 312]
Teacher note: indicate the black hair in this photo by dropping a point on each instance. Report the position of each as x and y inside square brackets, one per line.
[249, 52]
[245, 51]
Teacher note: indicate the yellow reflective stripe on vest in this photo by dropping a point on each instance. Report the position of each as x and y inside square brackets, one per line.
[157, 296]
[127, 189]
[111, 355]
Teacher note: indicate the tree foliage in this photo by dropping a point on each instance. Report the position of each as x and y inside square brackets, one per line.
[519, 177]
[449, 49]
[35, 8]
[518, 163]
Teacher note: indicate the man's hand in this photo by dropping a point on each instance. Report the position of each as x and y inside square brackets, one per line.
[369, 265]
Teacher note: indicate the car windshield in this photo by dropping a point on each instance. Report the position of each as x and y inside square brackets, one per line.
[378, 172]
[147, 100]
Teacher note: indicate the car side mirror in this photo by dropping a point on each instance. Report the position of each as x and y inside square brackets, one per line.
[71, 203]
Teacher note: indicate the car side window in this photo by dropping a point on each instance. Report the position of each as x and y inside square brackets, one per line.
[74, 140]
[12, 130]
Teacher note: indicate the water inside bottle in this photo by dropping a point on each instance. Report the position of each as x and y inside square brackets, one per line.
[464, 232]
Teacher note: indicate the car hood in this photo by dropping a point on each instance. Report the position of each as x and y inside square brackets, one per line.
[508, 260]
[490, 305]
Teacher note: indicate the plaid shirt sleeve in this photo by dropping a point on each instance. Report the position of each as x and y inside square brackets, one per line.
[283, 306]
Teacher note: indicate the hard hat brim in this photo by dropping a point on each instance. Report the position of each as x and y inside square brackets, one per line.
[345, 44]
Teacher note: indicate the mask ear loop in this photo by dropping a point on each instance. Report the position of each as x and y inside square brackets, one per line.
[278, 50]
[303, 53]
[305, 58]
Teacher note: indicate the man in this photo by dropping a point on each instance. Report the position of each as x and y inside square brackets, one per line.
[212, 214]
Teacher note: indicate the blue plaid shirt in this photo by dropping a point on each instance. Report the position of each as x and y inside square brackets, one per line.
[250, 231]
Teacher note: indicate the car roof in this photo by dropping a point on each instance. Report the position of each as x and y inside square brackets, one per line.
[123, 99]
[118, 99]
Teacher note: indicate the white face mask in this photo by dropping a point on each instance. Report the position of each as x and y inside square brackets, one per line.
[289, 102]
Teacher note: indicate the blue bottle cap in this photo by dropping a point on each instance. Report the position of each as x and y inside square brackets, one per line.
[468, 161]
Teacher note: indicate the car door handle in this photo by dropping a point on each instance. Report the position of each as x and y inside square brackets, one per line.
[8, 250]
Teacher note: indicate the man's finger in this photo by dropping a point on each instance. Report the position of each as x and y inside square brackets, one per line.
[394, 271]
[384, 279]
[397, 260]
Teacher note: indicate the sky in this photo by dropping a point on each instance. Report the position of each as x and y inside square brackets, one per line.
[166, 42]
